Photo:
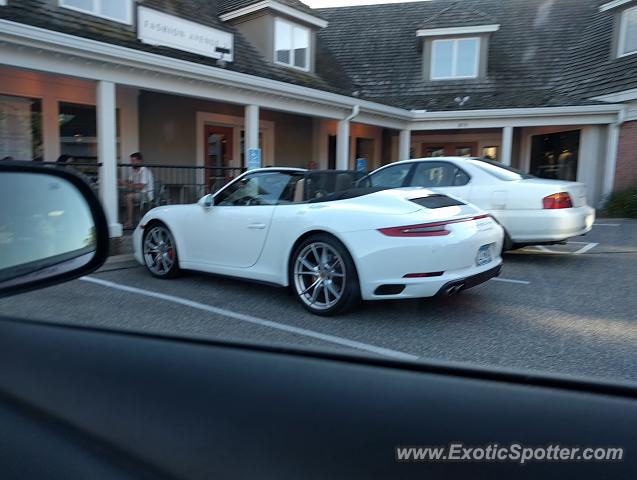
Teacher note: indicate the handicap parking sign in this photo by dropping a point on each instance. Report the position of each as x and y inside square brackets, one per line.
[361, 164]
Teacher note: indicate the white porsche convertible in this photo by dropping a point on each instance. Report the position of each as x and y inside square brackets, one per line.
[332, 243]
[533, 211]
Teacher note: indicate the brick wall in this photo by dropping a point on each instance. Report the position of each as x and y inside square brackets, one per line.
[626, 173]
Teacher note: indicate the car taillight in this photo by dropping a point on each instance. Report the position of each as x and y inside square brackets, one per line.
[557, 200]
[436, 229]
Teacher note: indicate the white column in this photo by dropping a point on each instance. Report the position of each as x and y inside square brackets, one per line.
[251, 130]
[507, 145]
[610, 164]
[342, 145]
[51, 128]
[404, 145]
[107, 154]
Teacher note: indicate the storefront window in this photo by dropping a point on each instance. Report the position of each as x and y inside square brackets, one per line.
[78, 131]
[491, 153]
[555, 155]
[20, 128]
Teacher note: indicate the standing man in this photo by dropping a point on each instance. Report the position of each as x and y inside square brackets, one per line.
[140, 186]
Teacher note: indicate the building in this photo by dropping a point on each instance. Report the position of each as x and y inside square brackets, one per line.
[548, 86]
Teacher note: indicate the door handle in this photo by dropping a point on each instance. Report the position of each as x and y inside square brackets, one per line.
[257, 226]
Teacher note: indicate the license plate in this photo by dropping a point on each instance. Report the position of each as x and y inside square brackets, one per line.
[484, 255]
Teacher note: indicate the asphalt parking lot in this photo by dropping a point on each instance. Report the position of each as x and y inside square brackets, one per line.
[568, 309]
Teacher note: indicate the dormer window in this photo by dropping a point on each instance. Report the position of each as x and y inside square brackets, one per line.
[117, 10]
[628, 32]
[291, 44]
[455, 58]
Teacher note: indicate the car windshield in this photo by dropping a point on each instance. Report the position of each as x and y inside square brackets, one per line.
[238, 149]
[502, 172]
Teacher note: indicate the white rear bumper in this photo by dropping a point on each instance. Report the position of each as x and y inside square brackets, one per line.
[528, 226]
[384, 261]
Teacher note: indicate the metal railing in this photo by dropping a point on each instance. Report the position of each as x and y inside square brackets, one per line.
[183, 184]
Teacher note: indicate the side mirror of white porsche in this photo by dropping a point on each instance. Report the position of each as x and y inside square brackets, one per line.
[206, 202]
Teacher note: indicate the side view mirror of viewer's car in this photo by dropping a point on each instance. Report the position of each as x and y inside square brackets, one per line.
[52, 228]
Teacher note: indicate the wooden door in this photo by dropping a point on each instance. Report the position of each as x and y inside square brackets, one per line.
[218, 148]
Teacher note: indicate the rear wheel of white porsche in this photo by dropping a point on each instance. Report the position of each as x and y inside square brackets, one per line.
[323, 276]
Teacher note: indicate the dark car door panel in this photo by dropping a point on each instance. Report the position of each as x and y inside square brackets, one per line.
[142, 406]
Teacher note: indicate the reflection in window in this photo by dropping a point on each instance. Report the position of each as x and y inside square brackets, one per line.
[628, 32]
[20, 128]
[118, 10]
[555, 156]
[291, 44]
[454, 58]
[78, 132]
[391, 177]
[434, 174]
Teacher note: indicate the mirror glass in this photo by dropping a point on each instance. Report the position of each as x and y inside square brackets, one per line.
[46, 228]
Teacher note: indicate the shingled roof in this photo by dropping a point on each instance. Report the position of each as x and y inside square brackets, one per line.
[593, 69]
[546, 52]
[377, 47]
[47, 14]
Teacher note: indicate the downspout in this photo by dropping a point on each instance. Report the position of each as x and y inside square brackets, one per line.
[612, 149]
[342, 139]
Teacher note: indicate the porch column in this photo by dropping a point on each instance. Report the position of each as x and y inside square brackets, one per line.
[507, 145]
[50, 128]
[107, 154]
[342, 145]
[610, 164]
[251, 133]
[404, 145]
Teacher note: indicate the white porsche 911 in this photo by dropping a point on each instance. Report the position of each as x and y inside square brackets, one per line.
[332, 243]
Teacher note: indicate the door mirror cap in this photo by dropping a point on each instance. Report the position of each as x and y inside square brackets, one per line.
[207, 202]
[53, 229]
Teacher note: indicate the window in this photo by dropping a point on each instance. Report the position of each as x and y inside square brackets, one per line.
[117, 10]
[455, 58]
[628, 32]
[555, 155]
[291, 45]
[263, 188]
[391, 177]
[20, 128]
[491, 153]
[438, 174]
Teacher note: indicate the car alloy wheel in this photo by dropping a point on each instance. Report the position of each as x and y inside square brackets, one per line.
[160, 254]
[319, 276]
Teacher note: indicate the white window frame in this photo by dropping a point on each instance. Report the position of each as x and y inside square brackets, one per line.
[279, 21]
[621, 44]
[97, 8]
[455, 58]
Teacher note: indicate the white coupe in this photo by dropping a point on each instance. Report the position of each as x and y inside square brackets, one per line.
[532, 211]
[332, 243]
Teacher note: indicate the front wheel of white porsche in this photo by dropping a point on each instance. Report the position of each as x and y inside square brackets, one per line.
[160, 251]
[323, 276]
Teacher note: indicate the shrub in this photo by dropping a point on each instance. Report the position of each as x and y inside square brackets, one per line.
[622, 203]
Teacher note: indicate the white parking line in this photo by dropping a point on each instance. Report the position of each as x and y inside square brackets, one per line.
[508, 280]
[586, 248]
[607, 224]
[255, 320]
